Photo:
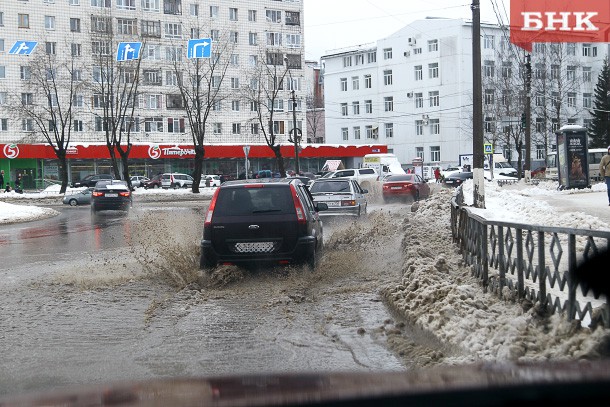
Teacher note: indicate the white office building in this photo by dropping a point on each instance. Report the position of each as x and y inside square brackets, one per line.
[413, 91]
[258, 31]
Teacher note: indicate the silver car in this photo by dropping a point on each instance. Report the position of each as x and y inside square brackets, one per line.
[343, 196]
[79, 198]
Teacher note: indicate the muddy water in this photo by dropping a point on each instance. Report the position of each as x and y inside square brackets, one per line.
[144, 310]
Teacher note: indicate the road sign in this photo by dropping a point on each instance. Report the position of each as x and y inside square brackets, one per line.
[488, 148]
[246, 150]
[128, 50]
[23, 48]
[199, 48]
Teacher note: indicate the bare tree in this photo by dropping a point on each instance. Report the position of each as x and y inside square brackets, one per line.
[200, 84]
[264, 92]
[55, 78]
[115, 92]
[314, 116]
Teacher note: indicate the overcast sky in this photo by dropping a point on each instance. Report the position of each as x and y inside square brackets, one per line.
[335, 24]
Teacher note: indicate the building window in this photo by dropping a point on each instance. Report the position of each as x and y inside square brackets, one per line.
[293, 18]
[175, 125]
[368, 83]
[387, 53]
[150, 5]
[432, 45]
[235, 105]
[75, 25]
[539, 100]
[489, 96]
[252, 39]
[588, 50]
[214, 35]
[419, 127]
[127, 26]
[101, 24]
[343, 84]
[571, 73]
[433, 70]
[126, 4]
[49, 22]
[236, 128]
[369, 131]
[419, 152]
[387, 77]
[3, 124]
[540, 125]
[389, 130]
[217, 128]
[252, 15]
[153, 124]
[23, 20]
[371, 57]
[388, 104]
[489, 125]
[151, 29]
[278, 127]
[233, 37]
[343, 109]
[76, 50]
[540, 152]
[554, 71]
[1, 18]
[489, 69]
[586, 74]
[356, 133]
[359, 59]
[434, 98]
[26, 72]
[174, 101]
[368, 106]
[435, 126]
[172, 7]
[506, 70]
[173, 30]
[356, 107]
[419, 100]
[355, 83]
[488, 42]
[587, 100]
[50, 48]
[571, 99]
[254, 128]
[273, 16]
[27, 125]
[435, 153]
[344, 134]
[418, 72]
[347, 61]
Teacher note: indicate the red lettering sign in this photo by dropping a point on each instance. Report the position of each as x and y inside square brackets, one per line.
[559, 21]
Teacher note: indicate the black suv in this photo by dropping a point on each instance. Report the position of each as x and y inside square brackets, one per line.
[262, 221]
[92, 179]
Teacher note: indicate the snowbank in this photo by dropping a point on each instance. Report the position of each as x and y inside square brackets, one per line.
[10, 213]
[437, 293]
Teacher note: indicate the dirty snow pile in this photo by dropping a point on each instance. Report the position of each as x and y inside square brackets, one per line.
[437, 293]
[10, 213]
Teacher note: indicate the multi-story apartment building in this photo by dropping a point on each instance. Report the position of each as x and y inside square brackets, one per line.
[255, 33]
[413, 91]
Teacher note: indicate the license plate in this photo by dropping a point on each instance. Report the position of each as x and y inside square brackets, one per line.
[449, 182]
[111, 195]
[396, 188]
[333, 203]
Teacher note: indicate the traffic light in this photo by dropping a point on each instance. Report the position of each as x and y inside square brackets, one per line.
[522, 120]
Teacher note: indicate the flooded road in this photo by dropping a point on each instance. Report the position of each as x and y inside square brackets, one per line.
[132, 304]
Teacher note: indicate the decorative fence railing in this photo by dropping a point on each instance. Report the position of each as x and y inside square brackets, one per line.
[529, 260]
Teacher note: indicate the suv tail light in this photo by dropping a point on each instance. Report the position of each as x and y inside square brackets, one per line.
[298, 206]
[210, 212]
[126, 193]
[97, 193]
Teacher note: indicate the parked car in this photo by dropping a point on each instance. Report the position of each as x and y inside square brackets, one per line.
[364, 176]
[154, 182]
[409, 186]
[452, 169]
[90, 180]
[176, 180]
[214, 180]
[79, 198]
[138, 181]
[456, 179]
[111, 195]
[262, 221]
[342, 196]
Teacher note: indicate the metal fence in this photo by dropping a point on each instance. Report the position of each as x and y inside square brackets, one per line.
[532, 262]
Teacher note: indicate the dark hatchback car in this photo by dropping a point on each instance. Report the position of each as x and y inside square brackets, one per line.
[456, 179]
[272, 221]
[92, 179]
[111, 195]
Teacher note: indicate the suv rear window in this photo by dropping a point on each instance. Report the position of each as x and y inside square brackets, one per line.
[330, 186]
[367, 171]
[244, 201]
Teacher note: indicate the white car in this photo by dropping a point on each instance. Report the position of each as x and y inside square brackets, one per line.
[176, 180]
[342, 196]
[138, 181]
[214, 180]
[364, 176]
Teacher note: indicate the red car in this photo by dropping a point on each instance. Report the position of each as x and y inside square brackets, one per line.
[408, 186]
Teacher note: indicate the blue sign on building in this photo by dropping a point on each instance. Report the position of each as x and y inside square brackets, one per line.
[127, 51]
[23, 48]
[200, 48]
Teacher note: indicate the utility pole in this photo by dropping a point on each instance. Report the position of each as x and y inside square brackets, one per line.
[527, 167]
[477, 110]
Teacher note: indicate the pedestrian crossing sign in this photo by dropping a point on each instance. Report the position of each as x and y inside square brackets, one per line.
[488, 148]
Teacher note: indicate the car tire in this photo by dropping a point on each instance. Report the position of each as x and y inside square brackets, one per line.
[312, 259]
[155, 186]
[173, 186]
[73, 202]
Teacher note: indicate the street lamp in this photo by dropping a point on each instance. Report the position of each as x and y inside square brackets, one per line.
[295, 137]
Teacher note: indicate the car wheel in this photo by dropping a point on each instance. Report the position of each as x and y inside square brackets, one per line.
[173, 186]
[155, 186]
[205, 263]
[312, 259]
[73, 202]
[185, 186]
